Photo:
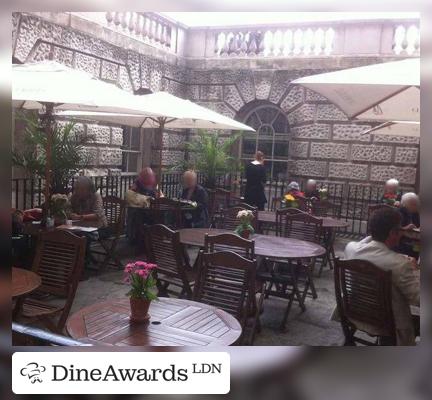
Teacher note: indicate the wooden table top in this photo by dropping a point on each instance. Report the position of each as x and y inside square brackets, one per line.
[173, 322]
[328, 222]
[33, 229]
[24, 281]
[265, 245]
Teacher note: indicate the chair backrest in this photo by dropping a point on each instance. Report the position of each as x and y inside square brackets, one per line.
[374, 207]
[164, 248]
[297, 224]
[226, 280]
[59, 261]
[364, 294]
[229, 242]
[115, 209]
[229, 218]
[166, 212]
[324, 208]
[281, 214]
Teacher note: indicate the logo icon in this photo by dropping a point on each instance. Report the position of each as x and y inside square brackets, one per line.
[33, 371]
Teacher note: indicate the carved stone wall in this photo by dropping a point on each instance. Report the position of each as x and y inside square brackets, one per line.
[324, 143]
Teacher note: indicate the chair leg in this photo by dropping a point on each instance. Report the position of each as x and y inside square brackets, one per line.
[286, 313]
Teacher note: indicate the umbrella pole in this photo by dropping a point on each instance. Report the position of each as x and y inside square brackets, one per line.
[47, 120]
[161, 129]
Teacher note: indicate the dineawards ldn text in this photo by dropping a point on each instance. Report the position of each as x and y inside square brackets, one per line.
[112, 374]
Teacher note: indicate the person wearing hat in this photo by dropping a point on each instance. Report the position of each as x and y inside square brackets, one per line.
[294, 190]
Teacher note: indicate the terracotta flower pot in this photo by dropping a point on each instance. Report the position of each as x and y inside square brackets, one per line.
[245, 234]
[139, 309]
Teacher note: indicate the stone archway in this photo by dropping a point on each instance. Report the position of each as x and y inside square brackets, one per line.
[272, 136]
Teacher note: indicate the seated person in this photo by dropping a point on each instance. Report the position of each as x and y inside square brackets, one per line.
[409, 211]
[385, 231]
[294, 190]
[311, 189]
[146, 184]
[85, 204]
[392, 195]
[198, 217]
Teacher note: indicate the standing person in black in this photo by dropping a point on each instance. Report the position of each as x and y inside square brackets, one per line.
[198, 217]
[255, 181]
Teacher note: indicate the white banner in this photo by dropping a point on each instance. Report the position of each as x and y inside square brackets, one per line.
[120, 373]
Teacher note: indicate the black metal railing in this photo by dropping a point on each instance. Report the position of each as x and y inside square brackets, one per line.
[352, 198]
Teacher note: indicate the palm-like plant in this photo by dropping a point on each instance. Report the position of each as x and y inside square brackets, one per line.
[67, 152]
[211, 156]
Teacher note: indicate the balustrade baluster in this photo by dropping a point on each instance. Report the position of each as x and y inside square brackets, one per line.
[109, 17]
[131, 24]
[124, 20]
[117, 19]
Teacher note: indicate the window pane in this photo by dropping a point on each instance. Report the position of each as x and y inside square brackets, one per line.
[266, 148]
[249, 146]
[253, 121]
[135, 140]
[267, 114]
[280, 125]
[280, 150]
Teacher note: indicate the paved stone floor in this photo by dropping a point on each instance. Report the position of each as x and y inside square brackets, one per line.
[312, 327]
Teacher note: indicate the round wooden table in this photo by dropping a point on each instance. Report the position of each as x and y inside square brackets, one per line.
[269, 217]
[265, 245]
[24, 282]
[173, 322]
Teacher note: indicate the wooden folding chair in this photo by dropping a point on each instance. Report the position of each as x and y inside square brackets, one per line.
[228, 219]
[164, 248]
[226, 280]
[166, 212]
[59, 261]
[288, 276]
[115, 210]
[364, 302]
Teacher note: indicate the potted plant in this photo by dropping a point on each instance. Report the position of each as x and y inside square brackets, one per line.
[58, 208]
[245, 229]
[139, 275]
[211, 156]
[68, 157]
[289, 201]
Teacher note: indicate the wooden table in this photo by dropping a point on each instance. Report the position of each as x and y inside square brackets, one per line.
[173, 322]
[23, 283]
[269, 217]
[265, 245]
[32, 229]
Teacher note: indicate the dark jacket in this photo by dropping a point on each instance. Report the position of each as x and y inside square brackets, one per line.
[312, 193]
[255, 181]
[141, 189]
[198, 217]
[409, 218]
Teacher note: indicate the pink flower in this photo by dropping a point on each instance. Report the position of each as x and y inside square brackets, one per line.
[142, 273]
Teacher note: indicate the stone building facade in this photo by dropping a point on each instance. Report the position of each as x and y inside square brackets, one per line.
[322, 142]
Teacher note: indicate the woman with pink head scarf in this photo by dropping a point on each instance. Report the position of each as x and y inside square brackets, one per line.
[146, 184]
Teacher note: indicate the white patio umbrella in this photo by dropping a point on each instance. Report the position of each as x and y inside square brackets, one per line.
[178, 114]
[49, 86]
[387, 91]
[396, 128]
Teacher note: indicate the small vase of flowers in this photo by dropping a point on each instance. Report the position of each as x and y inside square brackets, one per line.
[323, 193]
[139, 275]
[289, 201]
[245, 228]
[58, 208]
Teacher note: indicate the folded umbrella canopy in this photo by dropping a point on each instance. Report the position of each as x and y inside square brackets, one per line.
[396, 128]
[177, 114]
[387, 91]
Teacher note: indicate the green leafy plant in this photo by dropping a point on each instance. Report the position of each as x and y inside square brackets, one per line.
[211, 155]
[67, 152]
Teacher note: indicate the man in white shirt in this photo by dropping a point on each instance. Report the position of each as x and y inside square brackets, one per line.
[385, 232]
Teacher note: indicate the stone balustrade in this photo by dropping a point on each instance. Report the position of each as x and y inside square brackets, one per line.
[146, 26]
[384, 37]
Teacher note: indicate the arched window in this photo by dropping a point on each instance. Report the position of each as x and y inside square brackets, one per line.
[271, 137]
